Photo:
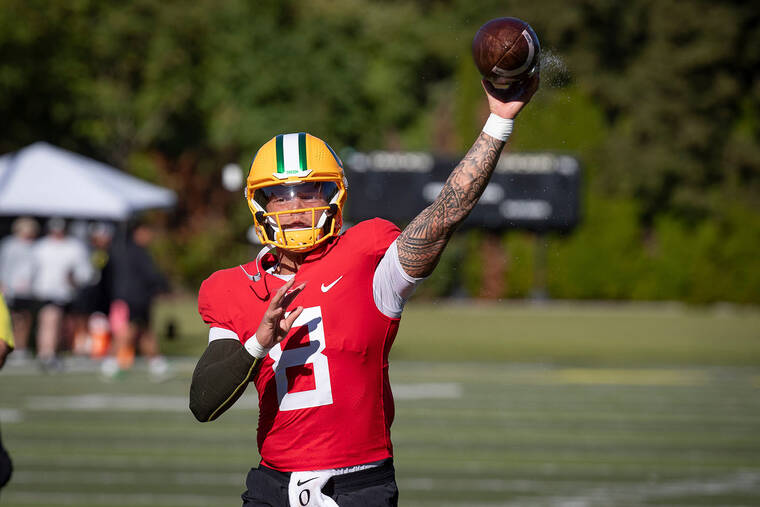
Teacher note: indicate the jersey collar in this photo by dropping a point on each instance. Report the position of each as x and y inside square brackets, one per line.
[257, 269]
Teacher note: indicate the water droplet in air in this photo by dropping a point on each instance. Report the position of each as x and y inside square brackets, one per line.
[554, 71]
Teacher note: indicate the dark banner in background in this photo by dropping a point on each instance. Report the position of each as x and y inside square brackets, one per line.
[533, 191]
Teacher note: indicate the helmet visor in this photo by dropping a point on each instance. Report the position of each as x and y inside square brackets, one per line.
[310, 194]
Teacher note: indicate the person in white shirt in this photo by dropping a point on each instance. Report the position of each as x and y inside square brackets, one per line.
[17, 270]
[62, 266]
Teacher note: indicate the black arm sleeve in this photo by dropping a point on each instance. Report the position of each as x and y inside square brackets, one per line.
[220, 378]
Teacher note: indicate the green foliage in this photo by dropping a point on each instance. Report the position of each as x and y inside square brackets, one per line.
[193, 257]
[471, 270]
[469, 100]
[581, 129]
[602, 259]
[712, 261]
[658, 98]
[520, 274]
[447, 278]
[609, 257]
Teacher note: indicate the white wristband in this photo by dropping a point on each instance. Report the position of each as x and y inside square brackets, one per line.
[498, 127]
[254, 348]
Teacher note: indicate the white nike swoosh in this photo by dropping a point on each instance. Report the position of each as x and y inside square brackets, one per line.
[325, 288]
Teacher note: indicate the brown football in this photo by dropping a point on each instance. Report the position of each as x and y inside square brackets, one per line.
[506, 50]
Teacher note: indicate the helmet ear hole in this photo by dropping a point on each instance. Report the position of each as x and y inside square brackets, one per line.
[333, 210]
[259, 216]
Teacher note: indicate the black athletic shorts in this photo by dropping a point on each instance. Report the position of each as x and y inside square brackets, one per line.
[375, 487]
[22, 304]
[139, 312]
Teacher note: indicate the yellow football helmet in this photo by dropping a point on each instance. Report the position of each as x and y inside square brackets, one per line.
[296, 168]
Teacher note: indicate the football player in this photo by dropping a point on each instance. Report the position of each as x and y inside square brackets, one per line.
[6, 347]
[312, 319]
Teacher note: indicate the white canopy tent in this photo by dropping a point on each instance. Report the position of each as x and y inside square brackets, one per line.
[43, 180]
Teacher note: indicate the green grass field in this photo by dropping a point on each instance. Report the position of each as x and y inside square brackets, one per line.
[556, 405]
[558, 333]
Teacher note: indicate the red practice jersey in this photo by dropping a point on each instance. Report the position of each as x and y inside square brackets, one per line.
[324, 396]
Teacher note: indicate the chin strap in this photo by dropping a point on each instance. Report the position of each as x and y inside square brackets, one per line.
[258, 276]
[255, 278]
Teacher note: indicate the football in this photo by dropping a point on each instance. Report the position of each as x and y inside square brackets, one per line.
[506, 50]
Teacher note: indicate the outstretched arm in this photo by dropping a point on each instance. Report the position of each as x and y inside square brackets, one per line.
[421, 243]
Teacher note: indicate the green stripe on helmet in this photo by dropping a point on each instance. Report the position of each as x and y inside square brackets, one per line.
[302, 163]
[280, 155]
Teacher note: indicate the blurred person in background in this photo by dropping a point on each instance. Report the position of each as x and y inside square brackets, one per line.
[62, 267]
[92, 301]
[135, 282]
[325, 403]
[17, 269]
[6, 347]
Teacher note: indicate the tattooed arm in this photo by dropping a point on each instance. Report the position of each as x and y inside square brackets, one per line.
[421, 243]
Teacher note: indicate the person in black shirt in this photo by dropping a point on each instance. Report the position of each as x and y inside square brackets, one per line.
[135, 282]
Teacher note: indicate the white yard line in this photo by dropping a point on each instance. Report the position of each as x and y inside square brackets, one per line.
[121, 499]
[586, 494]
[567, 494]
[160, 403]
[427, 390]
[126, 477]
[11, 415]
[119, 403]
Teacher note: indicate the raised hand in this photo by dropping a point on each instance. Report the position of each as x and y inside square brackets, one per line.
[508, 102]
[422, 241]
[275, 326]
